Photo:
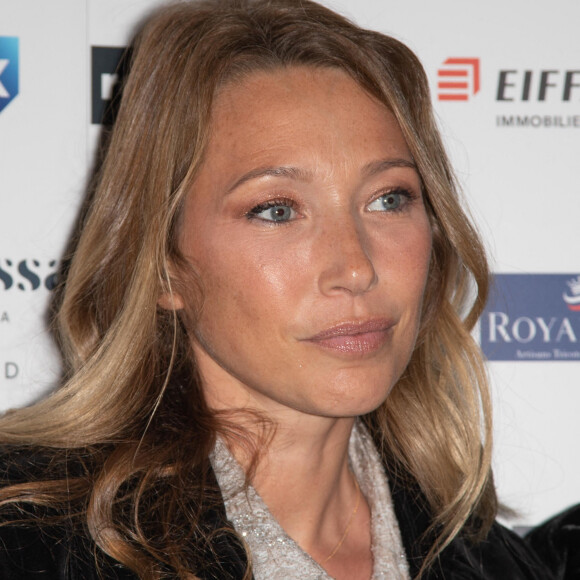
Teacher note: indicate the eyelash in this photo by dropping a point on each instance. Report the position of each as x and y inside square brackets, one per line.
[407, 195]
[284, 202]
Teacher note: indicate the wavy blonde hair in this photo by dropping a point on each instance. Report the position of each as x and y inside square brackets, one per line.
[119, 411]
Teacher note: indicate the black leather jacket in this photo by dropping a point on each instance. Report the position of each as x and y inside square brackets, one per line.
[58, 552]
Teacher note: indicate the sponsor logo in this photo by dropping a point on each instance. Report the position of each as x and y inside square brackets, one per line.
[532, 317]
[27, 275]
[458, 79]
[107, 67]
[572, 300]
[538, 121]
[8, 70]
[540, 85]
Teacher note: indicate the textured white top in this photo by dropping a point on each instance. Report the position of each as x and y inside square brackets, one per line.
[275, 555]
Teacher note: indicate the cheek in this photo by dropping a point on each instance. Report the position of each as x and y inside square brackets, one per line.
[420, 259]
[409, 256]
[246, 283]
[421, 255]
[412, 274]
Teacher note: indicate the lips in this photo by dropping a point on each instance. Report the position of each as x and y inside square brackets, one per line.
[354, 337]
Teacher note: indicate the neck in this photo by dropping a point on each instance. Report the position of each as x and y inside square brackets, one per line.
[303, 477]
[310, 456]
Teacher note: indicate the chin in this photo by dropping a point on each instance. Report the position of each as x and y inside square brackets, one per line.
[354, 402]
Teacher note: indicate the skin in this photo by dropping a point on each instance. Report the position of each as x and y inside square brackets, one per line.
[309, 320]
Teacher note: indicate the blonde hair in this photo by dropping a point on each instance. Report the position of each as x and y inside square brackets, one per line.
[132, 405]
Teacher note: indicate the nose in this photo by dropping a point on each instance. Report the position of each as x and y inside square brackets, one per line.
[346, 264]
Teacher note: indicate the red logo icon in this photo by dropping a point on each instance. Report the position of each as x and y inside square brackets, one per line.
[458, 79]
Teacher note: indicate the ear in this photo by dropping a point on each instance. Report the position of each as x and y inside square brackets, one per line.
[171, 301]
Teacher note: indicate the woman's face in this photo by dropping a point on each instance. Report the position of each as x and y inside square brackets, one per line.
[307, 227]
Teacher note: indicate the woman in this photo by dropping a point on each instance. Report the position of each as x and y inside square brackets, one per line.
[266, 326]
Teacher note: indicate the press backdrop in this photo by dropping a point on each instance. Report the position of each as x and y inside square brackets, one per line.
[505, 79]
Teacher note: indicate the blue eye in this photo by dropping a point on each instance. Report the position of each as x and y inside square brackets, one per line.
[391, 201]
[272, 211]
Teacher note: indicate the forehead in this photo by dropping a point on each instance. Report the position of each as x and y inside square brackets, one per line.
[302, 106]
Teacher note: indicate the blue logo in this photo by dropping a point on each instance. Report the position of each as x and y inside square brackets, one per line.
[532, 317]
[8, 70]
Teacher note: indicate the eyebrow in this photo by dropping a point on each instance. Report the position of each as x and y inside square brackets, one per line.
[369, 170]
[376, 167]
[282, 171]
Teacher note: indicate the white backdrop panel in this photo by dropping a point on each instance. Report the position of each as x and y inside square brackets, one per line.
[43, 160]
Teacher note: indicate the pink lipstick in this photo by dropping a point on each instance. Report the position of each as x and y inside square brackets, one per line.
[354, 337]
